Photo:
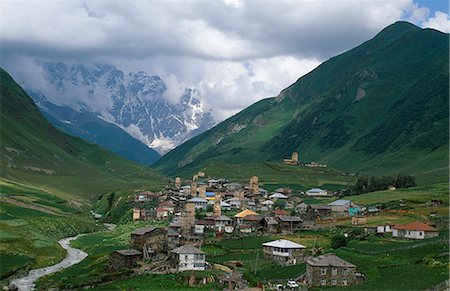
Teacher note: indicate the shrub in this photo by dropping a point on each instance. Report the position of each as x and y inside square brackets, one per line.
[338, 241]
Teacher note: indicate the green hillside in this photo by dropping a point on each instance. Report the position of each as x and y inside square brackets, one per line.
[49, 182]
[380, 108]
[91, 128]
[36, 153]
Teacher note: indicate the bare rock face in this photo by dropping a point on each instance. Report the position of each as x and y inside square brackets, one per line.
[136, 102]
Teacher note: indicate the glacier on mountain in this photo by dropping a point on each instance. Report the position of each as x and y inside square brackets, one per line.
[133, 101]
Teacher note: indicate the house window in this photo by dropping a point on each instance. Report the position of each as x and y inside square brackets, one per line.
[334, 282]
[420, 233]
[198, 257]
[185, 257]
[344, 282]
[334, 272]
[344, 272]
[323, 271]
[323, 282]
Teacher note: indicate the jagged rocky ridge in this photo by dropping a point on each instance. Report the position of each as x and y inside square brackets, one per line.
[135, 102]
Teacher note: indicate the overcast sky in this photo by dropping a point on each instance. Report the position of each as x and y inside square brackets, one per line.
[234, 52]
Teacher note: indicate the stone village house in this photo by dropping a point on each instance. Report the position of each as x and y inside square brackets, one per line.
[330, 270]
[124, 259]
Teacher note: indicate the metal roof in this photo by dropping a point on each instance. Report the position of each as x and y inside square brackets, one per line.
[198, 199]
[278, 195]
[329, 260]
[187, 249]
[340, 202]
[284, 244]
[143, 230]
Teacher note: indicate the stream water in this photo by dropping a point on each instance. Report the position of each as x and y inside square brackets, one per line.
[74, 256]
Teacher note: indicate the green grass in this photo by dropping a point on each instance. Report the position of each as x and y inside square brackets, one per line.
[245, 243]
[9, 263]
[400, 126]
[280, 272]
[160, 282]
[400, 270]
[419, 194]
[50, 180]
[277, 175]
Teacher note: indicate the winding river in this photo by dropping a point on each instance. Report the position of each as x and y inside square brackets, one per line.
[74, 256]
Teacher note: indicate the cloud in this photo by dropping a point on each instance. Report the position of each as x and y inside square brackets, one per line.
[439, 21]
[234, 52]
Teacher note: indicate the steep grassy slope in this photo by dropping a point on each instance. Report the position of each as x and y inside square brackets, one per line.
[380, 108]
[49, 181]
[36, 153]
[89, 127]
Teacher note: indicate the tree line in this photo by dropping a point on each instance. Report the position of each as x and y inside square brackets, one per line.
[366, 184]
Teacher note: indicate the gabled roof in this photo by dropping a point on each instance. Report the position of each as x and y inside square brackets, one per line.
[206, 222]
[198, 199]
[267, 202]
[315, 190]
[167, 203]
[222, 218]
[172, 232]
[143, 230]
[280, 212]
[252, 218]
[278, 195]
[245, 213]
[284, 243]
[187, 249]
[289, 218]
[415, 225]
[329, 260]
[340, 202]
[302, 205]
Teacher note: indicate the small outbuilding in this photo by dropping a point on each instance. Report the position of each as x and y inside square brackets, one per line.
[124, 259]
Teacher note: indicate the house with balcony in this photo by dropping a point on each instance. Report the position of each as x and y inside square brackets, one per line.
[284, 252]
[188, 257]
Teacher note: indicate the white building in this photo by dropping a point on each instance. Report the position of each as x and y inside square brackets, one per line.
[414, 230]
[276, 196]
[199, 203]
[221, 222]
[284, 252]
[384, 228]
[188, 257]
[317, 192]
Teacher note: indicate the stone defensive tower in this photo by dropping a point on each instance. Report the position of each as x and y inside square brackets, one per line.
[194, 189]
[254, 185]
[187, 220]
[178, 182]
[295, 157]
[217, 207]
[202, 191]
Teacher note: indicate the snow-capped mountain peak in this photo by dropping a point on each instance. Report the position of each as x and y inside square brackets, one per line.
[133, 101]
